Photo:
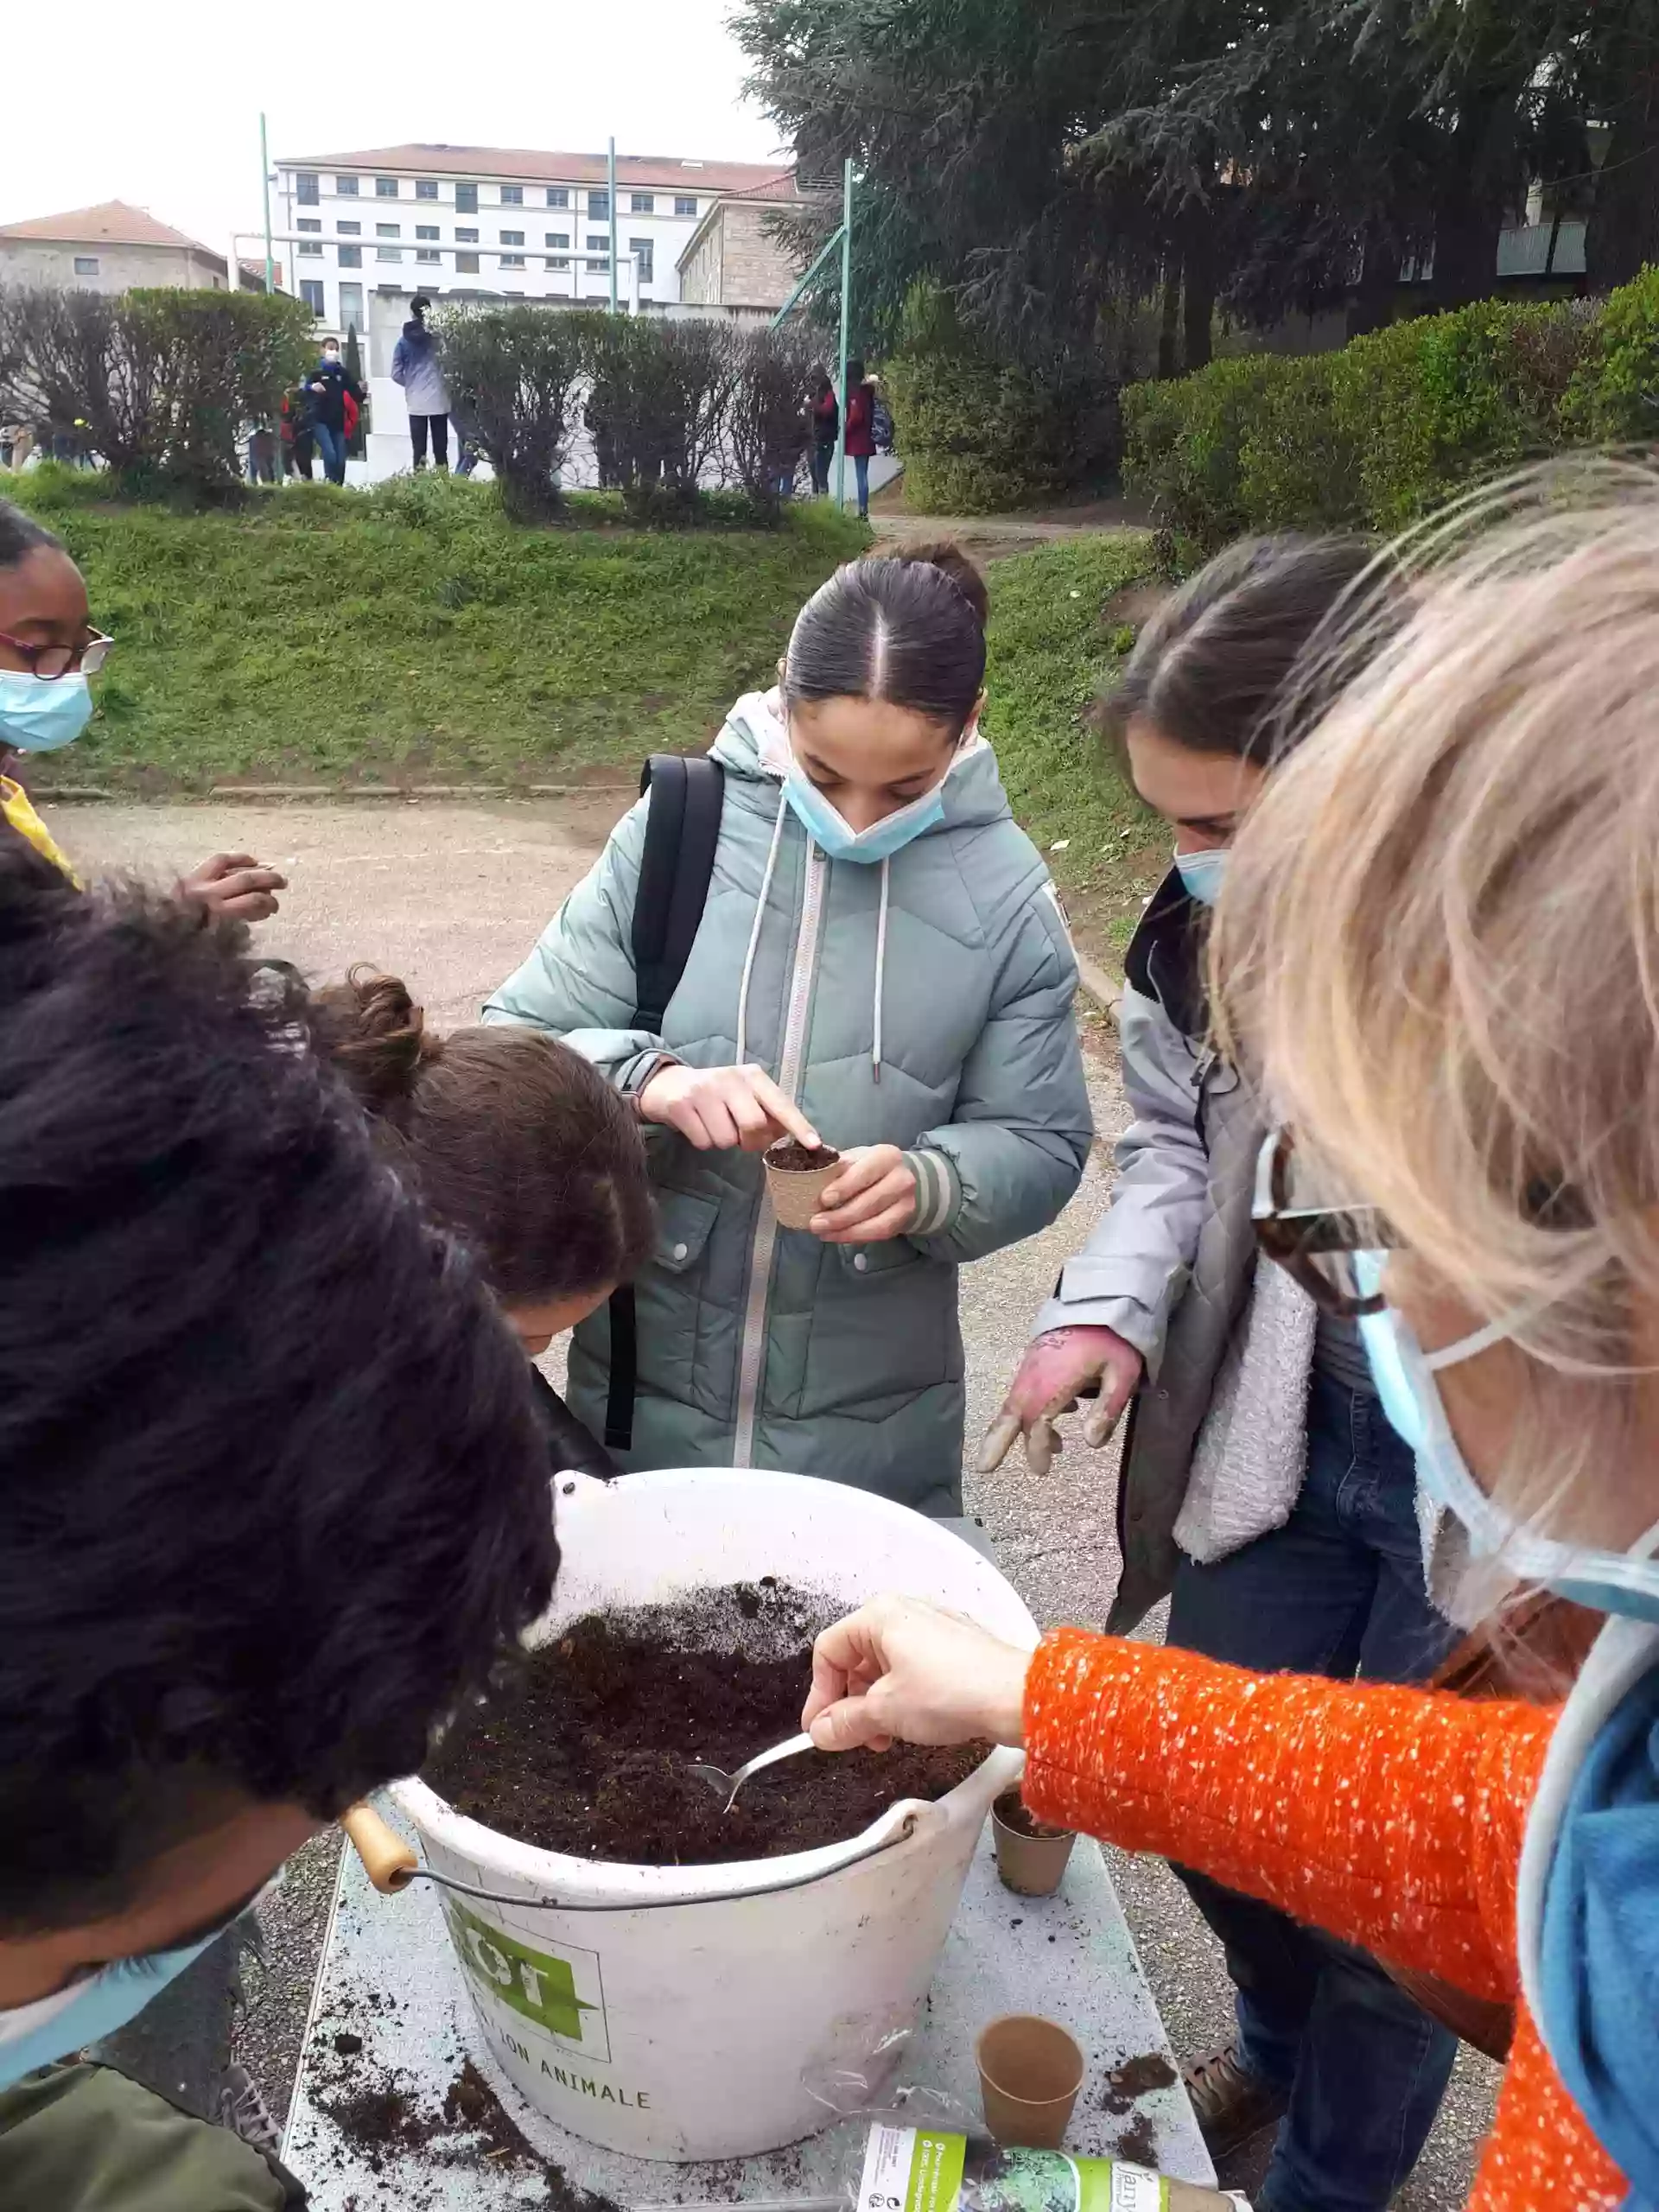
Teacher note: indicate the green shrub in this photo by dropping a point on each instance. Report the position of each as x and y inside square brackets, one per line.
[1185, 442]
[513, 375]
[1615, 396]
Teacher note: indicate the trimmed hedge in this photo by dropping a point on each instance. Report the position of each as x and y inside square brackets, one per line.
[1393, 424]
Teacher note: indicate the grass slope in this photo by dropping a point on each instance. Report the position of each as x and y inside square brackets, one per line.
[1051, 654]
[411, 635]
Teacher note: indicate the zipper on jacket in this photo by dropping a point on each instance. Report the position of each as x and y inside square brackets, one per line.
[751, 1354]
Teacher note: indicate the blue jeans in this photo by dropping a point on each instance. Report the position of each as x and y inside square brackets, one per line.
[861, 470]
[1337, 1590]
[331, 444]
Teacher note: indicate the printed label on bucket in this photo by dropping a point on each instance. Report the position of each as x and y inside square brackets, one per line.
[558, 1992]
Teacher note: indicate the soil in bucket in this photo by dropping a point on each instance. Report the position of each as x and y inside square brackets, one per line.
[589, 1752]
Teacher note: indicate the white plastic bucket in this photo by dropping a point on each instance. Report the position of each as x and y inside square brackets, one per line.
[625, 2009]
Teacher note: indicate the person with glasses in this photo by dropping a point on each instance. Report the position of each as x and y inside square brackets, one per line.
[1437, 940]
[1261, 1483]
[48, 649]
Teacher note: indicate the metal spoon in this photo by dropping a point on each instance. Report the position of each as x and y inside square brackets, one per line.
[730, 1784]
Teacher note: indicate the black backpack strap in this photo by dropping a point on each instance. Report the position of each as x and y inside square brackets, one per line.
[681, 831]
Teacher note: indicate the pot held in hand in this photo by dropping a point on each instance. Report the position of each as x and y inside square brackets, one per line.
[1030, 1857]
[797, 1175]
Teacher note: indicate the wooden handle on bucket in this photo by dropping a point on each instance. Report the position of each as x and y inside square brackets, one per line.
[388, 1861]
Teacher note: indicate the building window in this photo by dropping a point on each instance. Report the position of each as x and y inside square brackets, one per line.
[426, 187]
[428, 254]
[351, 306]
[426, 231]
[598, 201]
[513, 196]
[597, 267]
[466, 200]
[466, 264]
[387, 229]
[85, 264]
[311, 293]
[465, 237]
[310, 222]
[310, 249]
[556, 238]
[558, 262]
[644, 203]
[351, 256]
[345, 186]
[512, 238]
[305, 187]
[685, 203]
[386, 187]
[558, 195]
[641, 250]
[388, 253]
[349, 230]
[512, 261]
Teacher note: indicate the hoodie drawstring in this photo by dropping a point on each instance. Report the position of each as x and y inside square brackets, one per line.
[760, 904]
[880, 976]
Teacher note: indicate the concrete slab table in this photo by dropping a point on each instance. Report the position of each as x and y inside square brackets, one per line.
[393, 2027]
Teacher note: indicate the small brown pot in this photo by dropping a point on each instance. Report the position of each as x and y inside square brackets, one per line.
[1030, 2072]
[1030, 1858]
[798, 1180]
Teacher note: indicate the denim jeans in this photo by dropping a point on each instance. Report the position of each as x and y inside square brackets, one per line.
[331, 444]
[861, 470]
[823, 457]
[1337, 1590]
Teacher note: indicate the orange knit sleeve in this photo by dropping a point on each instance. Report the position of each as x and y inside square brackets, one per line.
[1391, 1817]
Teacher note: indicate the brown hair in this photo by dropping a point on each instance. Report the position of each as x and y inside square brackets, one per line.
[1214, 668]
[949, 558]
[900, 631]
[514, 1142]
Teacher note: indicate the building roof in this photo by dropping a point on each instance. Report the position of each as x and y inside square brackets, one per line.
[111, 223]
[663, 172]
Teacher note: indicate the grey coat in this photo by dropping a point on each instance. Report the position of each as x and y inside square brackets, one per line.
[925, 1003]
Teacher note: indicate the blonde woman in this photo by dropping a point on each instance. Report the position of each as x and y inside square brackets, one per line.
[1440, 935]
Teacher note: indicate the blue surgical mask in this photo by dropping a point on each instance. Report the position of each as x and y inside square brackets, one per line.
[1202, 874]
[1608, 1582]
[34, 2035]
[824, 824]
[38, 714]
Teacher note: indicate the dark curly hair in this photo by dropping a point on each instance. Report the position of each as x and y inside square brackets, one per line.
[273, 1491]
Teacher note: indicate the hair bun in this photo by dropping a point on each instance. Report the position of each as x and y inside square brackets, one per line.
[376, 1036]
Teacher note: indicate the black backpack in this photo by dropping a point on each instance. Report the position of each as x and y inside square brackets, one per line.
[681, 831]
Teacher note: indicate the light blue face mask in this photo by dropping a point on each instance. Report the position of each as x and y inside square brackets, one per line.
[1608, 1582]
[39, 713]
[824, 823]
[1202, 874]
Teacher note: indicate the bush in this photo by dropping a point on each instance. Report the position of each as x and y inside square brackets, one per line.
[1376, 434]
[770, 422]
[1615, 394]
[981, 432]
[658, 405]
[159, 384]
[513, 375]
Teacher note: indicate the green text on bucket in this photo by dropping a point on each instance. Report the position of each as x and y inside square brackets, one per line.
[541, 1989]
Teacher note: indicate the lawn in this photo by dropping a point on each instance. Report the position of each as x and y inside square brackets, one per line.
[327, 638]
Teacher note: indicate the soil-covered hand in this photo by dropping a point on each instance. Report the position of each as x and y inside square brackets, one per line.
[1056, 1368]
[900, 1670]
[724, 1110]
[873, 1198]
[234, 887]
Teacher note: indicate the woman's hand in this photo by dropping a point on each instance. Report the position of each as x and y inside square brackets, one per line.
[873, 1198]
[724, 1110]
[1052, 1376]
[900, 1670]
[234, 887]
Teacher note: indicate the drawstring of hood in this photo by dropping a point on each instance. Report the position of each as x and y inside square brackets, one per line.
[753, 946]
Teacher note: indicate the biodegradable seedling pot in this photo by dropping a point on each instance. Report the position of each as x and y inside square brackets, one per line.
[797, 1177]
[1030, 1857]
[1030, 2072]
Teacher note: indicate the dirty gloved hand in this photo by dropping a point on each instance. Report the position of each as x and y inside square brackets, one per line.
[1054, 1372]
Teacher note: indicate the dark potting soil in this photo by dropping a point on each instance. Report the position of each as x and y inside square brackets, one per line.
[1012, 1812]
[793, 1158]
[1135, 2077]
[591, 1752]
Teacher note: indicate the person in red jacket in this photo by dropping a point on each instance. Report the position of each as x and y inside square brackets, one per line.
[860, 430]
[1435, 950]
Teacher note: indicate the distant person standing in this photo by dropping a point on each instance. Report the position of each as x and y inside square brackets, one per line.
[298, 450]
[826, 429]
[860, 430]
[415, 365]
[328, 387]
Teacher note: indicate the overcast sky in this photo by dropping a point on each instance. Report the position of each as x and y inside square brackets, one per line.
[159, 103]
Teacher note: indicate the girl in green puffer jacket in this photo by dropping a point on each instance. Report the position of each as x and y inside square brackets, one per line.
[882, 960]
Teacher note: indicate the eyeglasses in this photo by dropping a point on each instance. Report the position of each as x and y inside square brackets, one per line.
[1315, 1245]
[50, 662]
